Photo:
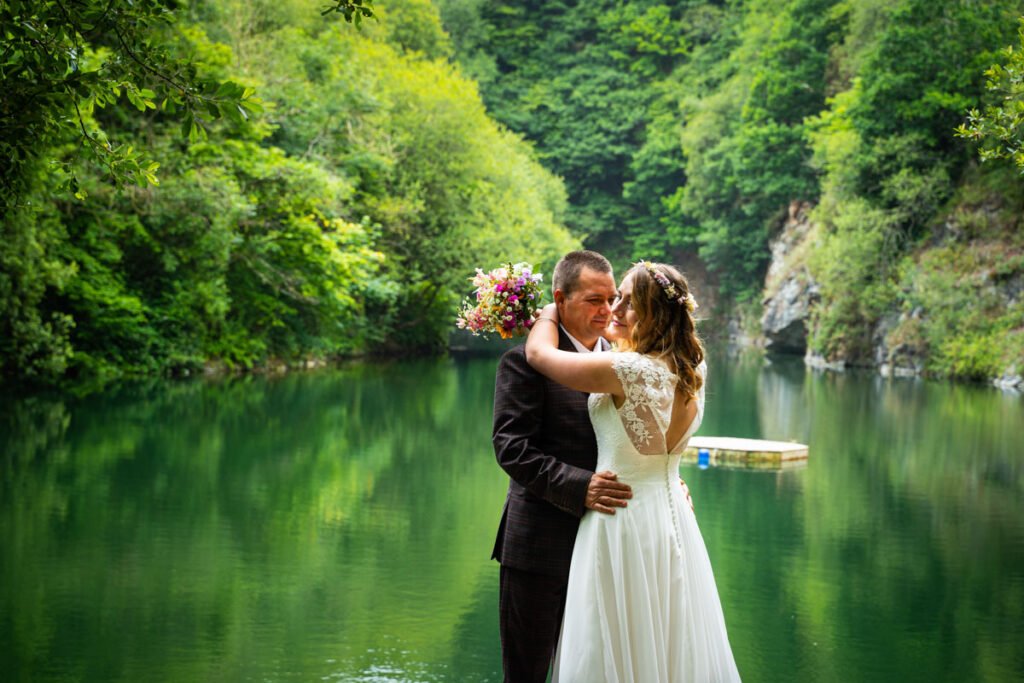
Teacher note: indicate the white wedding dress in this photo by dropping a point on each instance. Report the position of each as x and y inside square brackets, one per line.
[642, 605]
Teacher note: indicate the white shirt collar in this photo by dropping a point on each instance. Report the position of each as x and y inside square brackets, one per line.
[579, 345]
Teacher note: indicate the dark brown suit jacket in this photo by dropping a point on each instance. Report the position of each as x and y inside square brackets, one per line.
[544, 440]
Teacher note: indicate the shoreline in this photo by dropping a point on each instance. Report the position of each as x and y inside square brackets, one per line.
[1011, 384]
[213, 370]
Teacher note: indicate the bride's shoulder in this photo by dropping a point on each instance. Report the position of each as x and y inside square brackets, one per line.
[651, 369]
[627, 359]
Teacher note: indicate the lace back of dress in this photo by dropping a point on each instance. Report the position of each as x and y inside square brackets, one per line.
[649, 387]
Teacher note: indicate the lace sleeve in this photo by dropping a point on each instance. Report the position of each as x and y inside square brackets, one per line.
[649, 388]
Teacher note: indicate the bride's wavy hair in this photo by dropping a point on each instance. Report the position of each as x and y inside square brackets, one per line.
[665, 325]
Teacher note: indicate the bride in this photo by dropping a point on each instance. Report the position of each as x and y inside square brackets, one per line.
[642, 604]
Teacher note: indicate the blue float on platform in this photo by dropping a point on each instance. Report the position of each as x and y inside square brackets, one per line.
[703, 458]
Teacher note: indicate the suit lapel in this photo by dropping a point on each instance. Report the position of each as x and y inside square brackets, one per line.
[564, 343]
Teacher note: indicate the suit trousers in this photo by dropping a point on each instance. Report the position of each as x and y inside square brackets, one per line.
[530, 613]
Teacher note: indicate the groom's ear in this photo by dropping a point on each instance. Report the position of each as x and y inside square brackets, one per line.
[559, 297]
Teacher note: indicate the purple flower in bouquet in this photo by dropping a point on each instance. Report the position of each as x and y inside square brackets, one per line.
[505, 301]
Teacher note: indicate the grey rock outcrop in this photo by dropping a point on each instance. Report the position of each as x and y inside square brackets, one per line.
[789, 288]
[895, 357]
[785, 314]
[1010, 381]
[819, 362]
[736, 336]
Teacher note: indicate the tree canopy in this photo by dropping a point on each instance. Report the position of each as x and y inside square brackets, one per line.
[346, 218]
[688, 128]
[234, 182]
[999, 128]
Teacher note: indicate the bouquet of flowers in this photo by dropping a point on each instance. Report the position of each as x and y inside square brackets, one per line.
[506, 299]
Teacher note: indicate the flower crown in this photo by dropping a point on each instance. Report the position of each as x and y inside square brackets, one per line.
[670, 289]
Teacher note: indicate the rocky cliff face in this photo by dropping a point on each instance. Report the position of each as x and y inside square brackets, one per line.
[790, 291]
[968, 266]
[893, 355]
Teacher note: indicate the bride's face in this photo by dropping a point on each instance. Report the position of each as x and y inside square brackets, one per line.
[623, 316]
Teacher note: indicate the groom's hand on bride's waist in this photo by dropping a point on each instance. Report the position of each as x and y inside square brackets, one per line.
[605, 493]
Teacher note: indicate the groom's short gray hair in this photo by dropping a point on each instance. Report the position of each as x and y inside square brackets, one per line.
[566, 275]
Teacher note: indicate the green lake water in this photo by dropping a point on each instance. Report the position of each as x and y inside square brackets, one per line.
[336, 526]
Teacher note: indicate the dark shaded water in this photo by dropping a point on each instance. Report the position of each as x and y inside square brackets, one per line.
[337, 526]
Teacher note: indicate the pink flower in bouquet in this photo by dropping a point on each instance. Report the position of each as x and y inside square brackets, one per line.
[505, 301]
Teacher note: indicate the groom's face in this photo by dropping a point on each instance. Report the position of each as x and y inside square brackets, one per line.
[586, 311]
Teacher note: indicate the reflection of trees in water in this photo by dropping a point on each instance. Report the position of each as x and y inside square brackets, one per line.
[29, 428]
[730, 398]
[782, 409]
[321, 509]
[252, 526]
[912, 501]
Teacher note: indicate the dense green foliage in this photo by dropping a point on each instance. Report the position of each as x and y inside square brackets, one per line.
[61, 62]
[1000, 127]
[60, 66]
[956, 295]
[890, 160]
[345, 219]
[689, 127]
[745, 137]
[587, 83]
[677, 126]
[326, 189]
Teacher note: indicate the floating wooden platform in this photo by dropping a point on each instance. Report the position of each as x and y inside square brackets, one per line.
[749, 453]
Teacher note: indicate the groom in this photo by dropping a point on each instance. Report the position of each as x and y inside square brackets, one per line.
[544, 441]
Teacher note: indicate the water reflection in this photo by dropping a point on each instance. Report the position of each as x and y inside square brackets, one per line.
[254, 528]
[337, 525]
[896, 553]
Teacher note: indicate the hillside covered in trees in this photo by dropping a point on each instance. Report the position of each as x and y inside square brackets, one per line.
[691, 127]
[340, 212]
[326, 189]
